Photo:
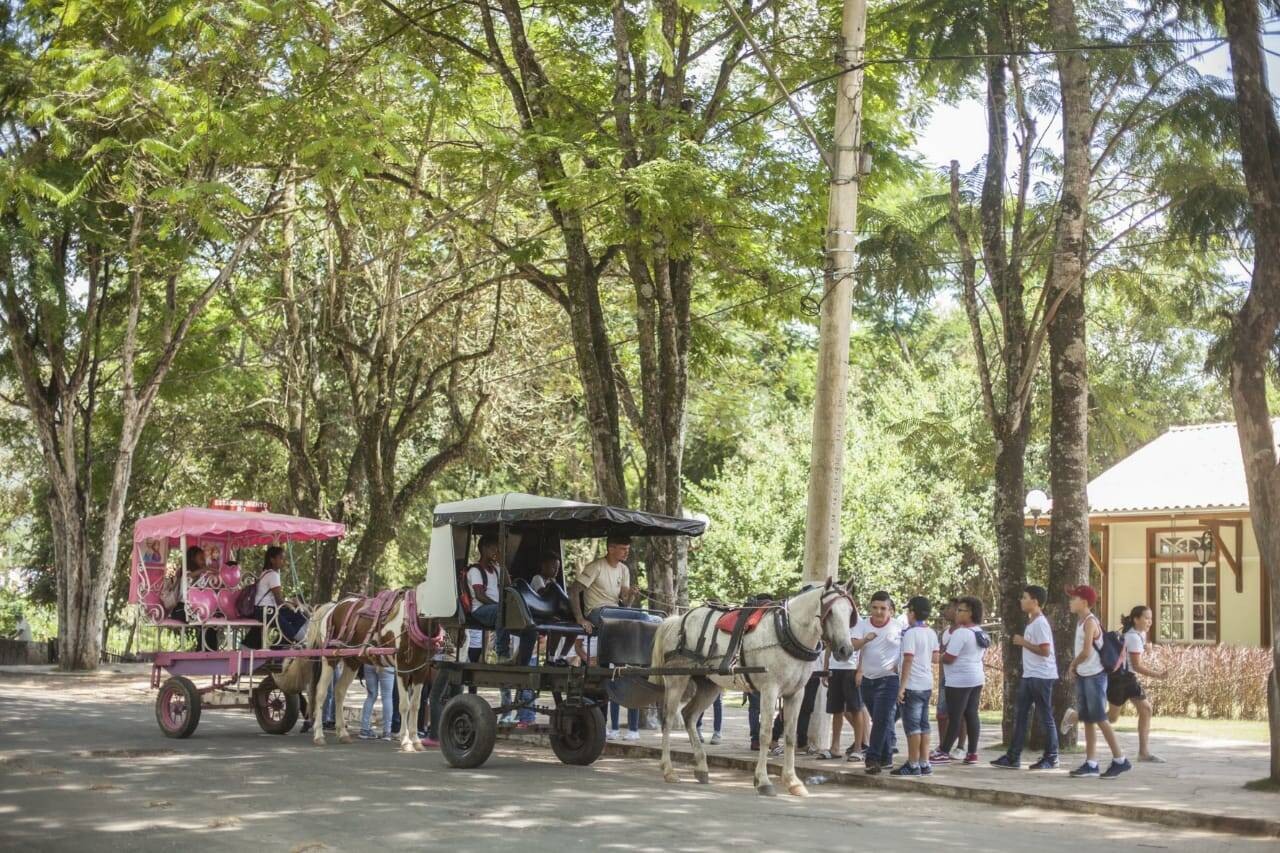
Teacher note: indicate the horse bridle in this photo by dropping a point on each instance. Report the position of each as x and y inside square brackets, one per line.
[788, 640]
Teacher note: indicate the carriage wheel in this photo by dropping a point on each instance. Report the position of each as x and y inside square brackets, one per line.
[468, 731]
[277, 711]
[178, 707]
[577, 734]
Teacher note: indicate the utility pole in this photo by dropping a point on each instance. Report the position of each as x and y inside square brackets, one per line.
[826, 461]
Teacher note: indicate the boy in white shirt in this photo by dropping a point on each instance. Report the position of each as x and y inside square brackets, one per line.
[919, 654]
[878, 641]
[1039, 674]
[844, 702]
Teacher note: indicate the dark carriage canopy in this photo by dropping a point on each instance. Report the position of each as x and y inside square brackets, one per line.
[567, 519]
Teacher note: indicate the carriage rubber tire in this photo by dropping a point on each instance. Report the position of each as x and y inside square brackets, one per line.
[261, 696]
[185, 726]
[468, 731]
[586, 739]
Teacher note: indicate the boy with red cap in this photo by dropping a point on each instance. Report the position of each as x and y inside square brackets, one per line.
[1091, 686]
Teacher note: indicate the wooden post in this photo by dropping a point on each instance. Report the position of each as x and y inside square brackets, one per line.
[826, 466]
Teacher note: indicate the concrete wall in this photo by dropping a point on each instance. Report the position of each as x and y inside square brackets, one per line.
[1239, 620]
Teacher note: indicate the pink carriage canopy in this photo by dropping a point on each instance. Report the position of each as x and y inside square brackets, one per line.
[231, 529]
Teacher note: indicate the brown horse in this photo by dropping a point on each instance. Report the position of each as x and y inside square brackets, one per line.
[387, 620]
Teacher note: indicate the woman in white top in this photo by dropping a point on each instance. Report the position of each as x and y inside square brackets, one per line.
[291, 621]
[1124, 686]
[962, 664]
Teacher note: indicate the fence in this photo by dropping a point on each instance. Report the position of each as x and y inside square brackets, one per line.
[14, 652]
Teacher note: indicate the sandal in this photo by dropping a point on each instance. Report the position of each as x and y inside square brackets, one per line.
[824, 755]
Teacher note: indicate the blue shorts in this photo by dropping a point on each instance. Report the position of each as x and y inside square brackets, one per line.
[915, 712]
[1091, 697]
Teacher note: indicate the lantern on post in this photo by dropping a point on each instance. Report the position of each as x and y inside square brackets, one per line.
[1037, 505]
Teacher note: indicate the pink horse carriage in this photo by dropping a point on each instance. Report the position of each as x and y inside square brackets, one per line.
[221, 601]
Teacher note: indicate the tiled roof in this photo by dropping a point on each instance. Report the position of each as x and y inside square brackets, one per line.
[1187, 468]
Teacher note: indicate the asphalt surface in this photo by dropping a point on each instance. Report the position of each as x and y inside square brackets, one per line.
[83, 766]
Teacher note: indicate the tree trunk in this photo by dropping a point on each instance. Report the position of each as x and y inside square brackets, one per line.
[1011, 550]
[1068, 356]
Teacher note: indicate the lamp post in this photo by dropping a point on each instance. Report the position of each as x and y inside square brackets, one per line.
[1037, 505]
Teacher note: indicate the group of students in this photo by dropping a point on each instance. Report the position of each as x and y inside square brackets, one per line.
[890, 677]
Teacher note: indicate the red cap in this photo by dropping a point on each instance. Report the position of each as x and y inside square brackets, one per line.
[1084, 591]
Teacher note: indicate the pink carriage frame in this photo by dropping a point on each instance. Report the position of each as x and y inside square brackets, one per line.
[233, 530]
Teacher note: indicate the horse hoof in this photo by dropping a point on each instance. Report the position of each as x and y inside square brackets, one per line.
[418, 747]
[670, 777]
[766, 790]
[703, 777]
[798, 790]
[344, 738]
[318, 741]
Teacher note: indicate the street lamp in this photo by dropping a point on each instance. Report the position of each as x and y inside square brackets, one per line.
[1203, 548]
[1037, 505]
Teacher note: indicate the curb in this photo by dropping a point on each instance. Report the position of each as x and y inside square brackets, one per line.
[937, 788]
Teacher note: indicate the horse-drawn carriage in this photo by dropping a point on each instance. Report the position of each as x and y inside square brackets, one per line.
[169, 597]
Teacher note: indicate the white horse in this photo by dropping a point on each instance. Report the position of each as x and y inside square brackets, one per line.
[786, 645]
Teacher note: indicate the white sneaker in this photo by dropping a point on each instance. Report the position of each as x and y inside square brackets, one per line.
[632, 735]
[715, 739]
[613, 734]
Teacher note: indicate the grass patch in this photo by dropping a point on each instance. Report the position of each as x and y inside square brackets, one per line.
[1269, 785]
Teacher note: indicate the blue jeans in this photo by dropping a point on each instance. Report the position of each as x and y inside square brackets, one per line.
[487, 615]
[633, 717]
[881, 698]
[1091, 697]
[915, 712]
[327, 715]
[376, 682]
[717, 716]
[1037, 692]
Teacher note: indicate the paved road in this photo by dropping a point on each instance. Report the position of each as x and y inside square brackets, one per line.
[84, 767]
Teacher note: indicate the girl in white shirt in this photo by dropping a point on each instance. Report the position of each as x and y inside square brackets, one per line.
[962, 664]
[1124, 686]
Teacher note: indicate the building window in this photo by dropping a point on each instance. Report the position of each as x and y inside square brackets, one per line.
[1187, 592]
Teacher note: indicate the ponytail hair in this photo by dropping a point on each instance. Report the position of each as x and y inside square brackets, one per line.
[1126, 622]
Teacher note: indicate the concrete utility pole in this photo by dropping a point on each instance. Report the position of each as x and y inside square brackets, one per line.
[826, 464]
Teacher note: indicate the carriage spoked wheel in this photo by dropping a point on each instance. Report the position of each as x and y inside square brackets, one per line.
[468, 731]
[277, 711]
[178, 707]
[577, 734]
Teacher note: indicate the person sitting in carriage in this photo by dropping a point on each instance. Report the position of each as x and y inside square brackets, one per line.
[289, 617]
[484, 577]
[196, 569]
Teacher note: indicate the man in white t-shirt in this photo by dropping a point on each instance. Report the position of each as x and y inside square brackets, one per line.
[483, 579]
[844, 702]
[919, 654]
[604, 582]
[878, 640]
[1035, 689]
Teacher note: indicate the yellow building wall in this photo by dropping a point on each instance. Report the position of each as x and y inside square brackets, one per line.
[1239, 620]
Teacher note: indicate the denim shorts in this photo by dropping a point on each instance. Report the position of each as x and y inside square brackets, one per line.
[1091, 697]
[915, 712]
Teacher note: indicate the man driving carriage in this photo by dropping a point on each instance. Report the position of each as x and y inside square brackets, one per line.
[604, 582]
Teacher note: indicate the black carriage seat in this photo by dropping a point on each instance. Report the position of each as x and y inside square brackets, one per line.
[626, 635]
[548, 611]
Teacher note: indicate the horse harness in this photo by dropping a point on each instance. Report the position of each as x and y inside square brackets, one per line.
[377, 609]
[746, 620]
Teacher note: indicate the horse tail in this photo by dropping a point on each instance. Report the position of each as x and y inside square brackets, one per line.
[664, 641]
[297, 673]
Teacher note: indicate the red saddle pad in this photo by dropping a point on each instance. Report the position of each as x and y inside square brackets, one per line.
[729, 621]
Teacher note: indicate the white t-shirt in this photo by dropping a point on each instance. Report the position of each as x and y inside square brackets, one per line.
[475, 638]
[966, 670]
[852, 662]
[603, 583]
[478, 577]
[880, 656]
[1033, 665]
[1134, 643]
[919, 642]
[262, 595]
[1092, 663]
